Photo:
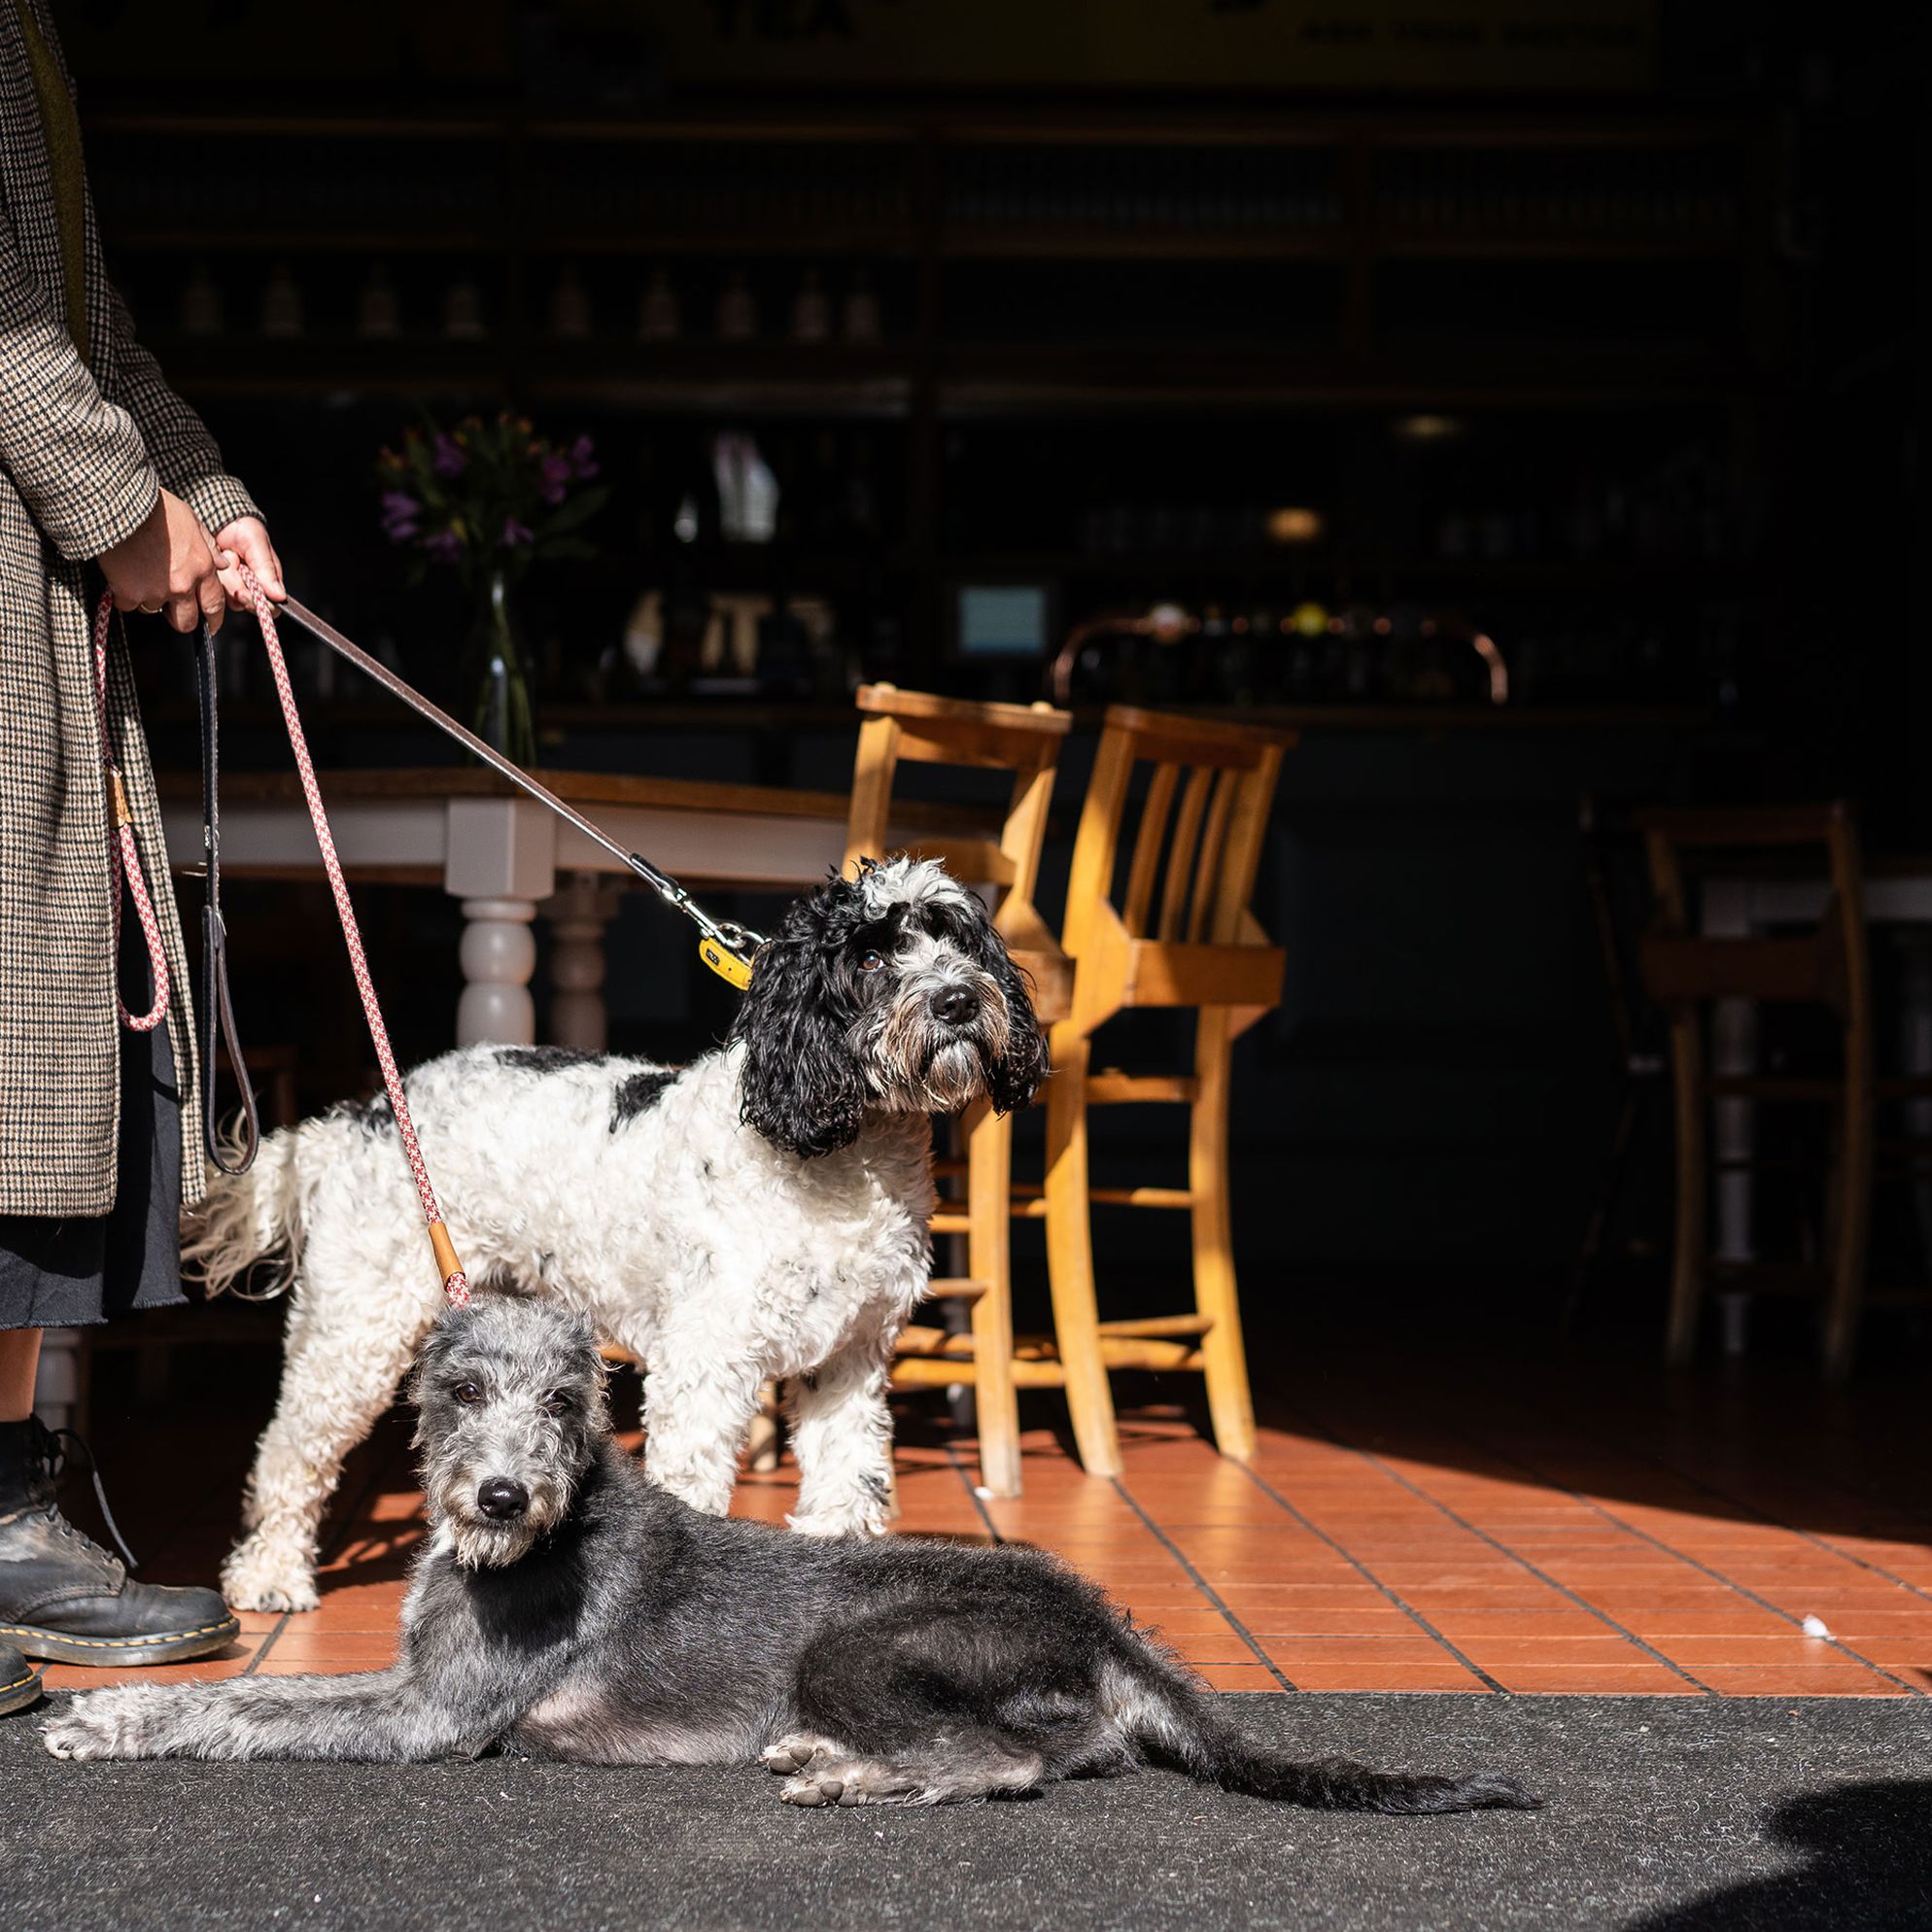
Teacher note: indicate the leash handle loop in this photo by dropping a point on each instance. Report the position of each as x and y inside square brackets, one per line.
[456, 1283]
[218, 1017]
[128, 853]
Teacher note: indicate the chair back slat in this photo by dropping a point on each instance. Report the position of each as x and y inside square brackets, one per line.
[919, 727]
[1181, 852]
[1181, 927]
[1148, 842]
[1681, 967]
[1213, 838]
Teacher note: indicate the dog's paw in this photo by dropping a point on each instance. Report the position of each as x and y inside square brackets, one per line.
[256, 1577]
[101, 1724]
[872, 1521]
[795, 1753]
[815, 1788]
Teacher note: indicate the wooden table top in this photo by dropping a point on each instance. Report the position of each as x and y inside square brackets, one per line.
[578, 788]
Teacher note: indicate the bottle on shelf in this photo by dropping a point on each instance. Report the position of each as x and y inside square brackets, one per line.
[201, 304]
[861, 313]
[737, 309]
[281, 305]
[570, 307]
[812, 310]
[658, 319]
[462, 312]
[378, 314]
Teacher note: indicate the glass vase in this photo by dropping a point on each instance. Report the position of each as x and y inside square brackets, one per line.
[497, 680]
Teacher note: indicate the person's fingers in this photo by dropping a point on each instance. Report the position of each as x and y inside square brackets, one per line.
[184, 613]
[213, 601]
[251, 539]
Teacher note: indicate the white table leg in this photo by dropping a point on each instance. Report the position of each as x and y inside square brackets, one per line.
[498, 954]
[1725, 913]
[577, 915]
[500, 861]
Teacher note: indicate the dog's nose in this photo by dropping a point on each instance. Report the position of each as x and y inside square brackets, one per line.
[956, 1006]
[503, 1500]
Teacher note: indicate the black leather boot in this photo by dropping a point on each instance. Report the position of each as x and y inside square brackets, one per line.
[64, 1598]
[20, 1681]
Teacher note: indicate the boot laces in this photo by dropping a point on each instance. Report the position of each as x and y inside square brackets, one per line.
[53, 1450]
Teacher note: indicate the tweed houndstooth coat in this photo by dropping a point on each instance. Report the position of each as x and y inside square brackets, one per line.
[83, 453]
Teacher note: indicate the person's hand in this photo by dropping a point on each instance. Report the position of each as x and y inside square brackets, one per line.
[167, 564]
[246, 542]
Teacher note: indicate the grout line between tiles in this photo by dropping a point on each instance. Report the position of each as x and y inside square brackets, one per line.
[1776, 1522]
[1201, 1584]
[1657, 1543]
[1516, 1557]
[979, 1508]
[1355, 1562]
[268, 1643]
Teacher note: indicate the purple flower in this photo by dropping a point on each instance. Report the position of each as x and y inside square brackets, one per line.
[583, 463]
[555, 481]
[450, 459]
[444, 548]
[399, 514]
[514, 534]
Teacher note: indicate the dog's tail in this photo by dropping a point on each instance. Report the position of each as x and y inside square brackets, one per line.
[1174, 1723]
[247, 1219]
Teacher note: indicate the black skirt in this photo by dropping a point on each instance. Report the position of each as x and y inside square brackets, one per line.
[74, 1271]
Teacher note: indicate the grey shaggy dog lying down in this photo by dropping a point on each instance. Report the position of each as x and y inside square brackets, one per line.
[566, 1607]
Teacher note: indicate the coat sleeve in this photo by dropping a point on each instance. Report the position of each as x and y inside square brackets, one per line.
[79, 460]
[186, 454]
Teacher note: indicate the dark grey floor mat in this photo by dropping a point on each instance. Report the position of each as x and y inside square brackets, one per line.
[1664, 1813]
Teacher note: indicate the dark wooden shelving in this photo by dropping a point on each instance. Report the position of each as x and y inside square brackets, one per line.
[1307, 236]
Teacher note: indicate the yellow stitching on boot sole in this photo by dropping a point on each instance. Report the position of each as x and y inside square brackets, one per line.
[31, 1678]
[119, 1643]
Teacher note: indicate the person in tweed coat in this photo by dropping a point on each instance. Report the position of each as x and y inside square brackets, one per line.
[105, 476]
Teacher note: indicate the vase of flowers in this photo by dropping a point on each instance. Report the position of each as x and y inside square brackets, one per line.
[485, 501]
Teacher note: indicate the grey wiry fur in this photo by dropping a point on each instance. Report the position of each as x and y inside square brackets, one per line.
[762, 1213]
[608, 1623]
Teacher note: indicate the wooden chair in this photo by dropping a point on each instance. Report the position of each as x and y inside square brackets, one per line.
[1182, 933]
[1686, 973]
[914, 727]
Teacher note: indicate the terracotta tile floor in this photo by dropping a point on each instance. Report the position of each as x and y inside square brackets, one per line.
[1487, 1527]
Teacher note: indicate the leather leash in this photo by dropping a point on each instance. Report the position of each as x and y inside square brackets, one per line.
[723, 945]
[217, 1010]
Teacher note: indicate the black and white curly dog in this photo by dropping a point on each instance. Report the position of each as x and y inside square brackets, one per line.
[567, 1607]
[760, 1213]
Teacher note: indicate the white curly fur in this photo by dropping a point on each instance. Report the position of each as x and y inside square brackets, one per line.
[714, 1257]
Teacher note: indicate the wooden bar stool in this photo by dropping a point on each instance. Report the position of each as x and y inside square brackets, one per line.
[913, 727]
[1182, 933]
[1687, 973]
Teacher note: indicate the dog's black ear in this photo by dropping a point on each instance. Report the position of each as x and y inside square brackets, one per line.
[799, 1086]
[1012, 1080]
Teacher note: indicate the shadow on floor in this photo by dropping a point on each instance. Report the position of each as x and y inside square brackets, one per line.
[1867, 1849]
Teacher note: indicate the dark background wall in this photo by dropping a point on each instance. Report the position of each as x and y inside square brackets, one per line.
[1143, 276]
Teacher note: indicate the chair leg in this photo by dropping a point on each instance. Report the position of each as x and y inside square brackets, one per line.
[1070, 1257]
[1688, 1241]
[1850, 1233]
[1223, 1357]
[767, 1429]
[989, 1260]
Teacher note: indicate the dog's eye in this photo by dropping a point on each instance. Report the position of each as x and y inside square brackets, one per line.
[556, 1403]
[871, 959]
[468, 1393]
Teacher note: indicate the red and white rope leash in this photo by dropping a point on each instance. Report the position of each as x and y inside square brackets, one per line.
[122, 831]
[456, 1283]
